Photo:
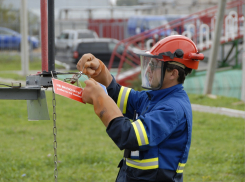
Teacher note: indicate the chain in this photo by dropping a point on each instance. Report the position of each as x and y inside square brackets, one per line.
[55, 134]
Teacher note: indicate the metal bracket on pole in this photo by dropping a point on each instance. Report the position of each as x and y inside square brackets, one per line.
[38, 109]
[36, 99]
[22, 93]
[39, 81]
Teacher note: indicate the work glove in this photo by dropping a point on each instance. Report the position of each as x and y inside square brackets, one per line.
[94, 68]
[105, 108]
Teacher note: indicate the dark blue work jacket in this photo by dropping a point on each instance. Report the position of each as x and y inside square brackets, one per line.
[159, 139]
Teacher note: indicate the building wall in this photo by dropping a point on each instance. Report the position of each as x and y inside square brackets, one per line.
[177, 6]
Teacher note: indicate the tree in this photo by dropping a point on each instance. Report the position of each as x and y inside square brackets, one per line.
[10, 18]
[6, 13]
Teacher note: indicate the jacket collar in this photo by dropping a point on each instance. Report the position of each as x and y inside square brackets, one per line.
[156, 95]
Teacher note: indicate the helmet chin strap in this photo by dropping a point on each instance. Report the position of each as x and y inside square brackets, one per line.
[165, 64]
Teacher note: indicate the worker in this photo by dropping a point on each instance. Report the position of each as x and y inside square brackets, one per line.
[157, 141]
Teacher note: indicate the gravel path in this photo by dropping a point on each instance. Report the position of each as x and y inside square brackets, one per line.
[218, 110]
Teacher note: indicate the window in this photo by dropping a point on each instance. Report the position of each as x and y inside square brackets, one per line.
[5, 32]
[120, 48]
[71, 36]
[145, 26]
[111, 46]
[93, 47]
[64, 36]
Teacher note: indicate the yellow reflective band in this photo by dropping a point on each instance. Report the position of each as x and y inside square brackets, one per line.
[126, 100]
[123, 99]
[137, 134]
[140, 133]
[144, 132]
[180, 168]
[120, 96]
[179, 171]
[144, 164]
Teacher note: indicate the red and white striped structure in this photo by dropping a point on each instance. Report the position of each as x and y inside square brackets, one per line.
[198, 26]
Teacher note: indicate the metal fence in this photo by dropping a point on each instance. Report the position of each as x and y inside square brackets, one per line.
[108, 28]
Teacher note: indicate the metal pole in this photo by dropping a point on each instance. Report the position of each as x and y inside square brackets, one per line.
[44, 34]
[51, 64]
[214, 49]
[24, 39]
[243, 64]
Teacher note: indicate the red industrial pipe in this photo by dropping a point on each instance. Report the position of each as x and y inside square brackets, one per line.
[44, 34]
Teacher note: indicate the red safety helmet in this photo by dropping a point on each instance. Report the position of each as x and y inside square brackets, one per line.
[174, 49]
[183, 49]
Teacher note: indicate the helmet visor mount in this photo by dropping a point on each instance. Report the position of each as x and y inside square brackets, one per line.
[151, 72]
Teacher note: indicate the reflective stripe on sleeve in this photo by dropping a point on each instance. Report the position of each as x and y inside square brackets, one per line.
[123, 98]
[180, 168]
[140, 133]
[144, 164]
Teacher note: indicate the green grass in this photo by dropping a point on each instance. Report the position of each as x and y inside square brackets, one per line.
[86, 153]
[12, 76]
[217, 150]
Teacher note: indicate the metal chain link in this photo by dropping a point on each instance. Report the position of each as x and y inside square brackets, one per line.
[55, 134]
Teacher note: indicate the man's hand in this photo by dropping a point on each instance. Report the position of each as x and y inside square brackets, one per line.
[89, 65]
[94, 68]
[104, 107]
[92, 91]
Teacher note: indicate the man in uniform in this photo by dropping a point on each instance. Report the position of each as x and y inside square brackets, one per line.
[158, 140]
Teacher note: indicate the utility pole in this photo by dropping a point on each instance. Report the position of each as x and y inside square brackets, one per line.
[24, 39]
[215, 47]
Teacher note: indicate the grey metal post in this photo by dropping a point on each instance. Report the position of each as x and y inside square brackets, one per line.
[215, 47]
[30, 45]
[24, 39]
[243, 62]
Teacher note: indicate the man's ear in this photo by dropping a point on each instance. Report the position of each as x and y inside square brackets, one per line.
[174, 74]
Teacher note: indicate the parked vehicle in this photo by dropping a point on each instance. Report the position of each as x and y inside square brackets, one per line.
[101, 48]
[68, 38]
[10, 39]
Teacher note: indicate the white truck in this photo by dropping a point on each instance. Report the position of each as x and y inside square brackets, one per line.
[66, 41]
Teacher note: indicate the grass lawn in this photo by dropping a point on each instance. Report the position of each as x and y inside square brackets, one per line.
[217, 151]
[86, 153]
